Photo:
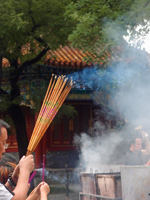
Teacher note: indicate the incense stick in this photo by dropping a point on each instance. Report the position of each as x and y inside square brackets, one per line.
[32, 176]
[50, 87]
[58, 89]
[43, 169]
[60, 102]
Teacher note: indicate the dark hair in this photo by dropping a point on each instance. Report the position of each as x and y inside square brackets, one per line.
[135, 134]
[8, 157]
[8, 163]
[5, 170]
[3, 124]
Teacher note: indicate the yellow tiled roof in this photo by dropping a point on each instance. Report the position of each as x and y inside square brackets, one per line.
[63, 56]
[66, 57]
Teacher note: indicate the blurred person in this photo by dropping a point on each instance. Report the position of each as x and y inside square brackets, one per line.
[39, 192]
[8, 157]
[137, 155]
[3, 137]
[16, 187]
[5, 170]
[8, 163]
[145, 139]
[7, 166]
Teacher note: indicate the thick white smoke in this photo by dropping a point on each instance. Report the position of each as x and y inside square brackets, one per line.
[99, 150]
[130, 97]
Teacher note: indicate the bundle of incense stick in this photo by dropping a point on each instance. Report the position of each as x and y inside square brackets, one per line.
[58, 89]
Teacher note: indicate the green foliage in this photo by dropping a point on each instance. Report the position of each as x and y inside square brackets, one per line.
[26, 28]
[100, 24]
[91, 16]
[95, 26]
[24, 22]
[138, 13]
[4, 103]
[65, 110]
[34, 96]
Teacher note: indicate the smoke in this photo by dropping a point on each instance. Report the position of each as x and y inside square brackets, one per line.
[127, 83]
[54, 176]
[57, 176]
[132, 98]
[98, 150]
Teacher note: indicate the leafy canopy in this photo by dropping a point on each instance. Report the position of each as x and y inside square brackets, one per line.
[102, 23]
[32, 22]
[28, 29]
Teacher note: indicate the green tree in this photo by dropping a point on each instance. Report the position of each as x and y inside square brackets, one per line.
[101, 24]
[36, 26]
[40, 25]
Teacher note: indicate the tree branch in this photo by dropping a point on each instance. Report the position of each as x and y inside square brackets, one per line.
[0, 70]
[40, 40]
[32, 61]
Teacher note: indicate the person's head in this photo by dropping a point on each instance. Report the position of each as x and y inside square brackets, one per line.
[136, 142]
[3, 136]
[8, 163]
[8, 157]
[137, 145]
[5, 170]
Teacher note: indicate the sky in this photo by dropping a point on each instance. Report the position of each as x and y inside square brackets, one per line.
[146, 44]
[144, 38]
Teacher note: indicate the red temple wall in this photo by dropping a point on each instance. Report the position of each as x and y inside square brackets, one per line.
[59, 136]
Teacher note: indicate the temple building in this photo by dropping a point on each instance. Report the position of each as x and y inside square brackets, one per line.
[58, 142]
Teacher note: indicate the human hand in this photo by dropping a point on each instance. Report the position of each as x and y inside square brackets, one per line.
[144, 134]
[37, 188]
[15, 173]
[148, 163]
[35, 194]
[27, 163]
[44, 188]
[40, 191]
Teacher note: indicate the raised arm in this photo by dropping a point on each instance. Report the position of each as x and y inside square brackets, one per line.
[40, 192]
[146, 141]
[44, 190]
[25, 167]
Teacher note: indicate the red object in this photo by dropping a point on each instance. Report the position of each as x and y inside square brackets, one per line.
[43, 168]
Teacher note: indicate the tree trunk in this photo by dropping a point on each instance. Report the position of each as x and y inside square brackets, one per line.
[15, 110]
[0, 70]
[20, 126]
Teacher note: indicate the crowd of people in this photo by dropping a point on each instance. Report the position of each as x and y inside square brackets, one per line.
[14, 175]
